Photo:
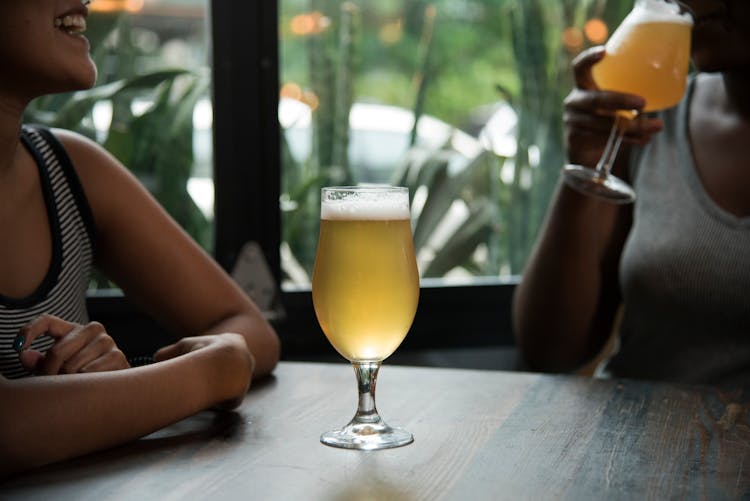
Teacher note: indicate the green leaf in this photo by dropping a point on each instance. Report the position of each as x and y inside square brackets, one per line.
[462, 244]
[81, 103]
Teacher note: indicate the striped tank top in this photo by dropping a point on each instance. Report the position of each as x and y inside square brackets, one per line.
[63, 290]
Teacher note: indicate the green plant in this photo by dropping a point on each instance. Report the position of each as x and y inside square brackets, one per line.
[542, 63]
[508, 50]
[157, 145]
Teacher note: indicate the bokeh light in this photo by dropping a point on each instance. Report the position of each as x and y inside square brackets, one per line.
[291, 90]
[311, 99]
[572, 39]
[391, 33]
[596, 30]
[132, 6]
[309, 23]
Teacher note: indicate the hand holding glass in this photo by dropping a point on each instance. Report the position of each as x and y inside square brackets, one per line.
[647, 55]
[365, 291]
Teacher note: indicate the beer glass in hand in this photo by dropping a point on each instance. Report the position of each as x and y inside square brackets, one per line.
[647, 55]
[365, 290]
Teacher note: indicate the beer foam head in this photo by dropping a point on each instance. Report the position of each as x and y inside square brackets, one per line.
[658, 11]
[369, 203]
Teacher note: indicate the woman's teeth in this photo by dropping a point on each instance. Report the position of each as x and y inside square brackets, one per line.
[72, 24]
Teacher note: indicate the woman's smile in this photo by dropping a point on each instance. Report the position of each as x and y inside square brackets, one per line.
[72, 24]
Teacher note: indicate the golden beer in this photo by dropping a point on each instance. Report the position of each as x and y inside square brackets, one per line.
[365, 282]
[648, 55]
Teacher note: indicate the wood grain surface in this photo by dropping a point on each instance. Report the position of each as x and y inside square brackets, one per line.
[478, 435]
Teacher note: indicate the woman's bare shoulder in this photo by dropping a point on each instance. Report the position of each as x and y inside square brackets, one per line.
[89, 159]
[108, 184]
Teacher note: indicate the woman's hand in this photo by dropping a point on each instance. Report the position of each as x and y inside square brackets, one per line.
[230, 357]
[589, 114]
[78, 348]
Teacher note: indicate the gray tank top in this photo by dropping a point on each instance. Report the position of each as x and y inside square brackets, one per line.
[684, 272]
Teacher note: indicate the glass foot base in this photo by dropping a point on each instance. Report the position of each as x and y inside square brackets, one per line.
[367, 437]
[588, 181]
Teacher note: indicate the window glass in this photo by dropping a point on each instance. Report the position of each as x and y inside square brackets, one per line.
[460, 100]
[151, 105]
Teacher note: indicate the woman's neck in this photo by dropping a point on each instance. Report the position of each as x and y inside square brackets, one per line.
[11, 116]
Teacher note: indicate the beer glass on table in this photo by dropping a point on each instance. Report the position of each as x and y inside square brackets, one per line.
[647, 55]
[365, 290]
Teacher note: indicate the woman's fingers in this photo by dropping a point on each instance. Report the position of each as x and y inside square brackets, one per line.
[602, 102]
[582, 67]
[640, 129]
[30, 359]
[183, 346]
[76, 347]
[167, 352]
[66, 347]
[99, 354]
[41, 325]
[110, 361]
[578, 123]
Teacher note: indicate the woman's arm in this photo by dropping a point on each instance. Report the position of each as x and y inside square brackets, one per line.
[157, 264]
[565, 305]
[49, 418]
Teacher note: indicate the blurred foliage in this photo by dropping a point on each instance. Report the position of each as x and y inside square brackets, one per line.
[474, 211]
[156, 144]
[449, 59]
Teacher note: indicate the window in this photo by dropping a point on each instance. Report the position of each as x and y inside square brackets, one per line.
[458, 99]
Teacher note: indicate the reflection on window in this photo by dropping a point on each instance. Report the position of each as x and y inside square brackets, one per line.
[460, 100]
[151, 106]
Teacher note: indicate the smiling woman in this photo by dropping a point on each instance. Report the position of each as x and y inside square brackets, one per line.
[34, 41]
[68, 206]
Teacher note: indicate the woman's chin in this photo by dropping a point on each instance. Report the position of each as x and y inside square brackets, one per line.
[80, 80]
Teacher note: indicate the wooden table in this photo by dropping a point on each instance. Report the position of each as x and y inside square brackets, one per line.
[478, 435]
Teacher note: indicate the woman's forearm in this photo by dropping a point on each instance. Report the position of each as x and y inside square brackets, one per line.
[50, 418]
[569, 287]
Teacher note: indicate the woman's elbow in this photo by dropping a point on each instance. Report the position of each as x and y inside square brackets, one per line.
[266, 350]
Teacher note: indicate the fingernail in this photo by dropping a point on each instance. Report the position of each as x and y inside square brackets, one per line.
[18, 343]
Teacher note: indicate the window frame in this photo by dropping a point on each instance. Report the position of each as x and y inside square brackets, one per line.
[246, 63]
[247, 180]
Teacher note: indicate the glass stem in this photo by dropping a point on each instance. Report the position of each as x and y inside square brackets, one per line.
[613, 145]
[367, 376]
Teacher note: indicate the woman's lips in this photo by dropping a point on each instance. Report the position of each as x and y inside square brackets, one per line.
[75, 24]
